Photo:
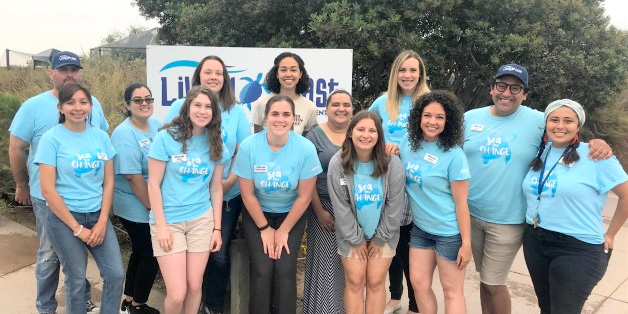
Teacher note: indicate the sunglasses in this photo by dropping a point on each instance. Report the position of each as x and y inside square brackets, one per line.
[139, 101]
[514, 88]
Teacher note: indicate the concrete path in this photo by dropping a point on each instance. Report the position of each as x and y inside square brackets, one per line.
[18, 246]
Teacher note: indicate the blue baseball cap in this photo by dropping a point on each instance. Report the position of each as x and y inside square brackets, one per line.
[513, 69]
[62, 58]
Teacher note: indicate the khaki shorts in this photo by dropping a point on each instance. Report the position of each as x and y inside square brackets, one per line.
[494, 247]
[191, 236]
[387, 252]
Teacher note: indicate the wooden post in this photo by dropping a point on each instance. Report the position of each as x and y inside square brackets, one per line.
[8, 58]
[240, 276]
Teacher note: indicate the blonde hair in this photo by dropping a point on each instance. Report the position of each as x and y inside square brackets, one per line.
[393, 101]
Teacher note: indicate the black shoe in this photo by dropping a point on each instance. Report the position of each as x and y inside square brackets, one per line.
[124, 308]
[142, 309]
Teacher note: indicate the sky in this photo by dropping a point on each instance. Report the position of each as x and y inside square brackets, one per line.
[32, 26]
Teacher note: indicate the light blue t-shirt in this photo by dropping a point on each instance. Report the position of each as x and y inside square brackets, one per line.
[79, 159]
[185, 185]
[367, 193]
[393, 130]
[429, 173]
[276, 175]
[37, 115]
[499, 150]
[573, 197]
[235, 128]
[132, 145]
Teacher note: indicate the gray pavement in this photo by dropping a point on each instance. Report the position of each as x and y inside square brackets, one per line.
[18, 246]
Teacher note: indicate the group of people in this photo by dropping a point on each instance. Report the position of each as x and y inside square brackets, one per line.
[410, 185]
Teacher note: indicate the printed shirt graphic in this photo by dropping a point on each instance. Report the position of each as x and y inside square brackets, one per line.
[132, 145]
[499, 150]
[185, 186]
[573, 197]
[276, 175]
[428, 185]
[37, 115]
[79, 159]
[393, 130]
[367, 193]
[304, 113]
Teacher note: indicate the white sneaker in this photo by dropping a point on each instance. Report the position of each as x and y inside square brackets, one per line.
[91, 307]
[392, 306]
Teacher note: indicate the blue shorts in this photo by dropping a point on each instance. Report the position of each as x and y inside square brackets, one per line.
[446, 247]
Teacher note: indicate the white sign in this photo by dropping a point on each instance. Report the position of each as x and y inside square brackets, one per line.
[169, 71]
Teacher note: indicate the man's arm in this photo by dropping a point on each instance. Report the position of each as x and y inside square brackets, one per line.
[17, 159]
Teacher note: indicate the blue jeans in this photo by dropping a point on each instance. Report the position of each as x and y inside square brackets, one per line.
[47, 266]
[73, 257]
[217, 271]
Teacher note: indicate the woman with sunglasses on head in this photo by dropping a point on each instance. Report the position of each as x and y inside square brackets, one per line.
[564, 243]
[406, 83]
[437, 183]
[76, 175]
[287, 77]
[366, 188]
[277, 171]
[212, 73]
[185, 168]
[132, 140]
[324, 277]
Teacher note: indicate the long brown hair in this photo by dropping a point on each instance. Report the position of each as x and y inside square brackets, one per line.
[348, 155]
[227, 95]
[181, 127]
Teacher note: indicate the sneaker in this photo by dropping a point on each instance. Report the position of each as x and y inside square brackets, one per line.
[142, 309]
[392, 306]
[124, 308]
[91, 307]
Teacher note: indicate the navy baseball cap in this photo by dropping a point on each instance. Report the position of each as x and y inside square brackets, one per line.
[513, 69]
[62, 58]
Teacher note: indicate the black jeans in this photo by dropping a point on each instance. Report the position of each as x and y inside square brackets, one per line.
[563, 269]
[216, 274]
[142, 268]
[273, 282]
[401, 264]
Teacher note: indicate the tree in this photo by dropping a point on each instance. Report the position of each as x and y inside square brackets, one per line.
[567, 45]
[115, 34]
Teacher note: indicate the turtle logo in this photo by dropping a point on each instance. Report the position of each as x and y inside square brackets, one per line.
[252, 90]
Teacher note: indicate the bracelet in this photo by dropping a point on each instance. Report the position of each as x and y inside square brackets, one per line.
[76, 234]
[217, 229]
[264, 227]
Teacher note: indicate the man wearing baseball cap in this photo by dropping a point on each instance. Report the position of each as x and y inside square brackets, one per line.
[37, 115]
[500, 142]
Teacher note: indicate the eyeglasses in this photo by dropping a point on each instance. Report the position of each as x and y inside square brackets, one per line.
[514, 88]
[148, 100]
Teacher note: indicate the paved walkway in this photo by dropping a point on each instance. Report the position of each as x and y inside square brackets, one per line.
[18, 246]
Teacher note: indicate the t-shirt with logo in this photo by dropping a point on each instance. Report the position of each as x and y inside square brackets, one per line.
[429, 173]
[79, 159]
[37, 115]
[132, 145]
[499, 151]
[573, 196]
[185, 185]
[304, 113]
[367, 193]
[276, 175]
[393, 130]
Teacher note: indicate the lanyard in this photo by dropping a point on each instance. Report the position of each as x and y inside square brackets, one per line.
[543, 179]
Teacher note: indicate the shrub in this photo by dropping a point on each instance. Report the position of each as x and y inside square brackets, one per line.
[9, 105]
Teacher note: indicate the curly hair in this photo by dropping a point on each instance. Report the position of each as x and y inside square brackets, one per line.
[453, 133]
[181, 127]
[226, 95]
[272, 82]
[348, 155]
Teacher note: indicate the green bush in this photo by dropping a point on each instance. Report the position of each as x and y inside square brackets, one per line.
[9, 105]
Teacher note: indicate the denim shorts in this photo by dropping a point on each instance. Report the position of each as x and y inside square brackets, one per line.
[446, 247]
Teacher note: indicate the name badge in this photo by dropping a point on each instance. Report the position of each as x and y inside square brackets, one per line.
[102, 156]
[260, 168]
[430, 158]
[343, 181]
[145, 142]
[477, 127]
[562, 162]
[179, 158]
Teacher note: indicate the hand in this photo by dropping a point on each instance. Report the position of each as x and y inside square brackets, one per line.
[374, 250]
[268, 241]
[599, 149]
[281, 241]
[22, 195]
[360, 251]
[216, 241]
[464, 256]
[392, 149]
[608, 242]
[85, 234]
[97, 233]
[165, 238]
[325, 220]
